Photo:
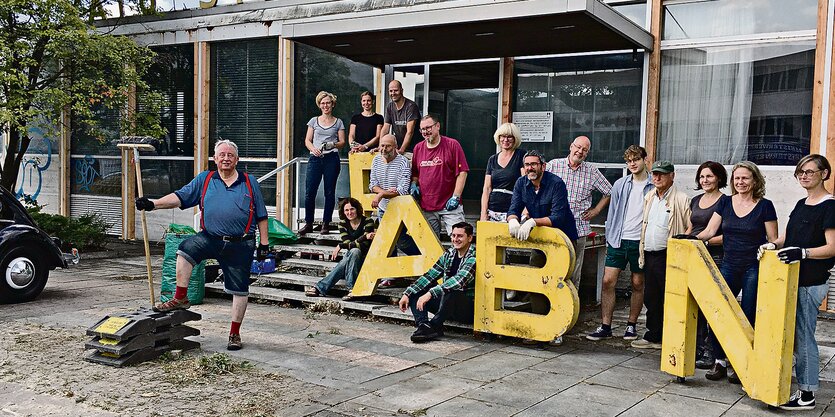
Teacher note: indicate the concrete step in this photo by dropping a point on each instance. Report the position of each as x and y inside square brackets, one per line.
[310, 264]
[368, 307]
[321, 250]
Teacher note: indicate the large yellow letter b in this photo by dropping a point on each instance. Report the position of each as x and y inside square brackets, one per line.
[553, 280]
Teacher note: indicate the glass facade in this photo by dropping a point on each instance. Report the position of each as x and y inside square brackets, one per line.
[727, 104]
[594, 95]
[316, 70]
[714, 18]
[244, 96]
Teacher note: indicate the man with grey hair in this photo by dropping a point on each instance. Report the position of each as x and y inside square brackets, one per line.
[232, 206]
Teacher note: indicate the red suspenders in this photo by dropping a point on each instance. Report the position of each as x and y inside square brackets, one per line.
[251, 201]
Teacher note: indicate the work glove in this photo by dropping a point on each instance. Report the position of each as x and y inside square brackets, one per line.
[143, 203]
[452, 203]
[414, 190]
[513, 227]
[685, 236]
[764, 247]
[525, 229]
[262, 252]
[328, 146]
[791, 255]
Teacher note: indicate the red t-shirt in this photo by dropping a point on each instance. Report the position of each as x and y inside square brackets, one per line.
[437, 169]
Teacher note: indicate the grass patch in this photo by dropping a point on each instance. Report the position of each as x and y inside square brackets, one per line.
[203, 368]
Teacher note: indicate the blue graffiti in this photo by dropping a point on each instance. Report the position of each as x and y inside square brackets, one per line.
[86, 173]
[33, 166]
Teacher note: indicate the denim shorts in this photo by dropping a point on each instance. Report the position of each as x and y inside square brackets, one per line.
[627, 253]
[235, 259]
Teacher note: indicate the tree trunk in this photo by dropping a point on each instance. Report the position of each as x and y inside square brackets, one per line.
[11, 165]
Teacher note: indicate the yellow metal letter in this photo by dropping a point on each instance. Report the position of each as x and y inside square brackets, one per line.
[552, 280]
[208, 4]
[359, 168]
[762, 355]
[401, 211]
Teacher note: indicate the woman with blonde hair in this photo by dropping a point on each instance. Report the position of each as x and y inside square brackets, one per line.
[747, 221]
[325, 137]
[503, 169]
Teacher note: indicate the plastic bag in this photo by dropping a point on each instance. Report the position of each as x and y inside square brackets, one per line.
[174, 235]
[280, 234]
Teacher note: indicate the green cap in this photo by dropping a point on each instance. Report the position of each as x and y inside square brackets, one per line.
[664, 167]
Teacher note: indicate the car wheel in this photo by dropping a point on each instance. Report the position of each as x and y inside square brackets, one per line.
[22, 275]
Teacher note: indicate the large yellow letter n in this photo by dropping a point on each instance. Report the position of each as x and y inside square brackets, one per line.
[401, 211]
[551, 280]
[761, 355]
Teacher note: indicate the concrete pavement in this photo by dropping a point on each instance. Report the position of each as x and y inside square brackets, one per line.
[369, 367]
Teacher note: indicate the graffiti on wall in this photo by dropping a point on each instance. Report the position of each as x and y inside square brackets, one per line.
[33, 167]
[86, 172]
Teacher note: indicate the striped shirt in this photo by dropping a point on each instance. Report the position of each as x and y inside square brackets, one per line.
[395, 174]
[580, 183]
[351, 238]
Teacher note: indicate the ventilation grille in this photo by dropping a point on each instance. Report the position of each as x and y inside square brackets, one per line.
[108, 207]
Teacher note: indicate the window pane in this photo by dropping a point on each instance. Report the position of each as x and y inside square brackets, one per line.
[161, 177]
[244, 96]
[734, 17]
[92, 175]
[598, 96]
[729, 104]
[634, 12]
[317, 70]
[172, 75]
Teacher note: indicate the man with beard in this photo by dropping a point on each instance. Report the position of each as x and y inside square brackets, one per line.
[545, 196]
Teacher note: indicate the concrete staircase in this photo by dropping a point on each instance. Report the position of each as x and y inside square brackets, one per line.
[304, 263]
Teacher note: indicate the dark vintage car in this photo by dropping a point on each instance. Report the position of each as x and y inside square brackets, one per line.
[27, 253]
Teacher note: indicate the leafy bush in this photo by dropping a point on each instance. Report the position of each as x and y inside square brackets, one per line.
[86, 232]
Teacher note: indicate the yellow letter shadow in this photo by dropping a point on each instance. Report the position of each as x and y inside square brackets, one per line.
[402, 211]
[761, 356]
[359, 170]
[553, 280]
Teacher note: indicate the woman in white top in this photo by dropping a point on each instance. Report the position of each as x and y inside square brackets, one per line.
[325, 137]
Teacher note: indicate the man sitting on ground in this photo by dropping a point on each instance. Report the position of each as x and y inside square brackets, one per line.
[453, 298]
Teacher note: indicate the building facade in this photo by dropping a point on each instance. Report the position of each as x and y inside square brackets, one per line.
[691, 80]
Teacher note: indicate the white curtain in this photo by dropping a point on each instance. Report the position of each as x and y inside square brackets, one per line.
[705, 104]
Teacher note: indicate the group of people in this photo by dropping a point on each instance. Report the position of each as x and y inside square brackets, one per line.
[524, 190]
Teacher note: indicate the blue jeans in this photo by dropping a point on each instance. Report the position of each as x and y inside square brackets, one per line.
[328, 167]
[455, 305]
[806, 354]
[348, 268]
[743, 279]
[235, 259]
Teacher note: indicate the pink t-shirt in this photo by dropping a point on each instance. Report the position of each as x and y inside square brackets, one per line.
[437, 169]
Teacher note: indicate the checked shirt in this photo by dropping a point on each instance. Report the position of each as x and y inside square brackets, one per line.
[580, 183]
[464, 280]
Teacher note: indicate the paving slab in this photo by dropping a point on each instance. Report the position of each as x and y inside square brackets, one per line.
[671, 405]
[491, 366]
[584, 400]
[523, 389]
[421, 392]
[466, 407]
[584, 363]
[396, 377]
[17, 400]
[699, 387]
[352, 408]
[643, 381]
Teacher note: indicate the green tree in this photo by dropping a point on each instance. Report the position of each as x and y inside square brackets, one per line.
[53, 59]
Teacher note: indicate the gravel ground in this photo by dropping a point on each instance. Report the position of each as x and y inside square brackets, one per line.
[46, 360]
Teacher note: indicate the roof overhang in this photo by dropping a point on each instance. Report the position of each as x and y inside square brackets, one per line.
[471, 30]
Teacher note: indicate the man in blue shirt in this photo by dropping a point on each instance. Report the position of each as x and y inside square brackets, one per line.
[546, 198]
[232, 205]
[623, 240]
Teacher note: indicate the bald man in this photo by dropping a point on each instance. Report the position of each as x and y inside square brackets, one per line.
[401, 119]
[581, 178]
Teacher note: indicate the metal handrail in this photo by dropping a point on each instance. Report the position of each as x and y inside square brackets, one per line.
[279, 169]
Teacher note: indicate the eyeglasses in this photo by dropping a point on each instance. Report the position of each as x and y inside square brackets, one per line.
[531, 164]
[428, 128]
[580, 148]
[808, 172]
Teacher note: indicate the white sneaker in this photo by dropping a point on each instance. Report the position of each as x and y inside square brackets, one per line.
[796, 402]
